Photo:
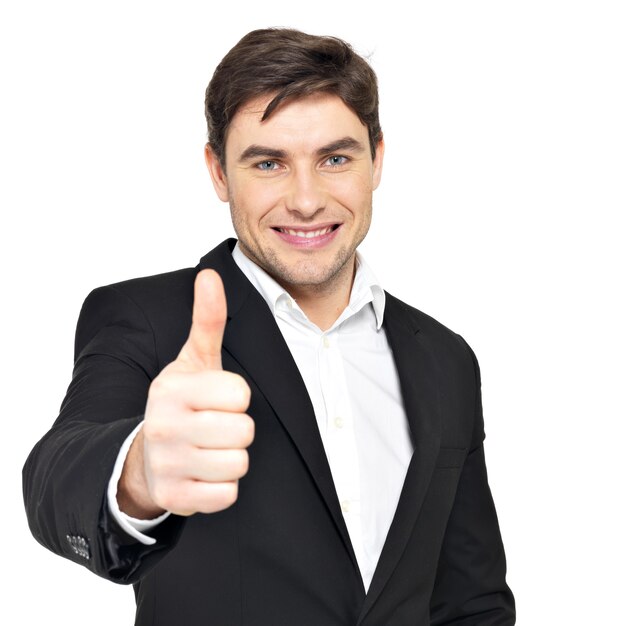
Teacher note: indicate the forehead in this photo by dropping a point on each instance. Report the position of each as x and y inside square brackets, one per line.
[302, 124]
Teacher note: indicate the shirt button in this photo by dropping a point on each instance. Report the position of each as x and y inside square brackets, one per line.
[345, 506]
[290, 303]
[338, 422]
[326, 342]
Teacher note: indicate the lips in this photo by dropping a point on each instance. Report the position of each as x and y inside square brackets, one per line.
[307, 234]
[309, 237]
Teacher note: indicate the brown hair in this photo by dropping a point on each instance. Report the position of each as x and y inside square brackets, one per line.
[291, 64]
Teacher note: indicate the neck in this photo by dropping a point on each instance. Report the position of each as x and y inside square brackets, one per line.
[323, 304]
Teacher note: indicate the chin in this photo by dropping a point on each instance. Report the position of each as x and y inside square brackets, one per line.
[311, 275]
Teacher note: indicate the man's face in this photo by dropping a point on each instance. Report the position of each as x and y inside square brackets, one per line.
[300, 188]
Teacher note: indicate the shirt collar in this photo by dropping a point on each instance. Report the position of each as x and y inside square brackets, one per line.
[365, 289]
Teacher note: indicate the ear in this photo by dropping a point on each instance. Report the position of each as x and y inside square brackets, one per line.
[378, 163]
[218, 175]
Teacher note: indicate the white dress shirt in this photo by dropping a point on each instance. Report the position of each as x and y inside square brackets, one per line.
[351, 378]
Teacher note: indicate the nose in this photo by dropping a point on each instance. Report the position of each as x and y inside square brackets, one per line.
[306, 192]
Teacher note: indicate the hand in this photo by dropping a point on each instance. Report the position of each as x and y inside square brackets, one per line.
[191, 449]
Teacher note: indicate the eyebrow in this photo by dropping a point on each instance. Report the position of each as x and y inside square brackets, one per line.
[256, 151]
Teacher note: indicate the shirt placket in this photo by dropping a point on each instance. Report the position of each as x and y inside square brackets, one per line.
[339, 436]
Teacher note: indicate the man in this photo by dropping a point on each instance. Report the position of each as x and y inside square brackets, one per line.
[270, 438]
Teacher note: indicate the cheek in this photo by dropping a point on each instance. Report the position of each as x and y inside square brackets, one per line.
[254, 200]
[353, 191]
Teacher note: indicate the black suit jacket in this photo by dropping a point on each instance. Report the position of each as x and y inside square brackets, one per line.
[281, 555]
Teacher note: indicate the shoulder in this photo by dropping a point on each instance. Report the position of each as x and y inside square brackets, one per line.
[161, 296]
[432, 330]
[450, 364]
[150, 292]
[157, 307]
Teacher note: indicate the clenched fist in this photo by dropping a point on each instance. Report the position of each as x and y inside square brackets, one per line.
[191, 449]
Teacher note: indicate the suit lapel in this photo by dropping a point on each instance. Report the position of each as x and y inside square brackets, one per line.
[417, 371]
[254, 340]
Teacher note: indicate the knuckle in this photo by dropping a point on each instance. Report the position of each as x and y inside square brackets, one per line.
[246, 393]
[241, 391]
[217, 497]
[248, 428]
[156, 430]
[170, 502]
[179, 499]
[240, 463]
[228, 494]
[162, 466]
[163, 497]
[159, 387]
[167, 384]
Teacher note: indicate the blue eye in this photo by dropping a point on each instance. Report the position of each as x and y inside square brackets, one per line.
[337, 160]
[266, 166]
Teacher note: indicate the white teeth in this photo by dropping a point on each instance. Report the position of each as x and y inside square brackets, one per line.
[308, 234]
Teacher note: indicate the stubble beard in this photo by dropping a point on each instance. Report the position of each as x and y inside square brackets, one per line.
[308, 274]
[305, 274]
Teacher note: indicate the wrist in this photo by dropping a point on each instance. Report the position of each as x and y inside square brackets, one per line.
[133, 497]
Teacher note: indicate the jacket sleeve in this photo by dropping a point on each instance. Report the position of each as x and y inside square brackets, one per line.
[470, 587]
[65, 476]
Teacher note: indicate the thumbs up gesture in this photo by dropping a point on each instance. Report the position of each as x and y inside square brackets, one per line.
[191, 449]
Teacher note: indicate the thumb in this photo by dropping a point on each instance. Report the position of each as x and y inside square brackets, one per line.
[203, 347]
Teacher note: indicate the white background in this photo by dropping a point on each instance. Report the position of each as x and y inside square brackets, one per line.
[500, 213]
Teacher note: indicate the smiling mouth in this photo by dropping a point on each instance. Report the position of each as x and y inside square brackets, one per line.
[307, 234]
